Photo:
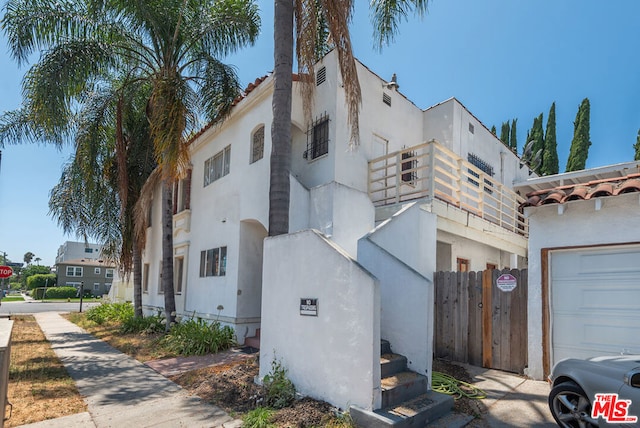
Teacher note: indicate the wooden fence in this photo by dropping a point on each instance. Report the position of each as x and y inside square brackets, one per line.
[480, 320]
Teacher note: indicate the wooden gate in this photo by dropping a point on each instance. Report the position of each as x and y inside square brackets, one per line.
[476, 322]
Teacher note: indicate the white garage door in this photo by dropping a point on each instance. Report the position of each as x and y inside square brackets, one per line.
[595, 302]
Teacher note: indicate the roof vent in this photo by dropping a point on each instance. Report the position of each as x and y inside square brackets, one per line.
[386, 98]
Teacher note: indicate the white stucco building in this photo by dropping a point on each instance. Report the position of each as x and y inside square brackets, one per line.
[443, 161]
[78, 250]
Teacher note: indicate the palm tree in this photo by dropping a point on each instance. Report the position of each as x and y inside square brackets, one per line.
[314, 18]
[99, 188]
[170, 44]
[28, 256]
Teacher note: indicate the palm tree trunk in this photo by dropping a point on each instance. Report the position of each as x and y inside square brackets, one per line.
[279, 191]
[167, 252]
[137, 280]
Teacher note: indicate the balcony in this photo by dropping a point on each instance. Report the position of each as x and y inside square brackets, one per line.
[430, 170]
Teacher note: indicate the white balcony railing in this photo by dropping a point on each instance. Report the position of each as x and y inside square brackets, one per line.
[431, 170]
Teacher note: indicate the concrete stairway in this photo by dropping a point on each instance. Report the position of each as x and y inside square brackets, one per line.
[253, 341]
[406, 398]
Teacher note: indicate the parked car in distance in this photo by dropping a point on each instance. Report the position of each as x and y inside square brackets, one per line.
[576, 382]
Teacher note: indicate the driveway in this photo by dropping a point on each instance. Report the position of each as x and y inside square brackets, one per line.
[512, 400]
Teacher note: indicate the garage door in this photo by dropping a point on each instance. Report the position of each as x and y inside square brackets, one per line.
[595, 302]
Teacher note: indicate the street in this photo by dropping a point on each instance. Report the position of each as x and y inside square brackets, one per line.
[32, 307]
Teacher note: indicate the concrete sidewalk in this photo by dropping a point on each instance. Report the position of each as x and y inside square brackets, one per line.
[119, 390]
[512, 400]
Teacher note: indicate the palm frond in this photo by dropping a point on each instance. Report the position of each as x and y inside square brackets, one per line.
[386, 16]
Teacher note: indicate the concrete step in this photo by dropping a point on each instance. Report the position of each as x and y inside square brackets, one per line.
[391, 364]
[417, 412]
[253, 341]
[401, 387]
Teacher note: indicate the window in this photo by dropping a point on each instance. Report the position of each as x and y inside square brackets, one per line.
[182, 194]
[492, 266]
[463, 265]
[484, 167]
[217, 166]
[257, 145]
[318, 138]
[96, 271]
[73, 284]
[108, 273]
[408, 165]
[178, 270]
[386, 98]
[321, 76]
[471, 128]
[74, 271]
[96, 286]
[213, 262]
[88, 250]
[107, 286]
[145, 278]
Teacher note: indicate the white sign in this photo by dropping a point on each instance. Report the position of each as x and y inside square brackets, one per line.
[506, 282]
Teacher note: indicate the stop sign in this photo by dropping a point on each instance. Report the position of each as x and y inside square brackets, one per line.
[5, 271]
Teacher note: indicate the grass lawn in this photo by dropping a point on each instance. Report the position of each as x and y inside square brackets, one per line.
[74, 300]
[13, 299]
[39, 386]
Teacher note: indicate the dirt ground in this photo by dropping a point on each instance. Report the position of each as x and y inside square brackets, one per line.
[473, 407]
[232, 388]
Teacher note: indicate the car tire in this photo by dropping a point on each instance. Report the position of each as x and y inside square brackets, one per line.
[570, 406]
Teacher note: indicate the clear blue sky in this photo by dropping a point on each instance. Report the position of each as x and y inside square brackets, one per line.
[502, 59]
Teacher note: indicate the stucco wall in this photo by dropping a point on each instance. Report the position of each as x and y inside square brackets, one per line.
[343, 213]
[334, 356]
[477, 253]
[401, 254]
[579, 225]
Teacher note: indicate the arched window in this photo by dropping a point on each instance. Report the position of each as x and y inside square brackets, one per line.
[257, 145]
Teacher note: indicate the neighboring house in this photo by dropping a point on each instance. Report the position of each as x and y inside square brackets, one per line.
[95, 275]
[443, 160]
[78, 250]
[584, 264]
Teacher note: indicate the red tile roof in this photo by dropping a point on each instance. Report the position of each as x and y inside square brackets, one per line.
[250, 87]
[584, 191]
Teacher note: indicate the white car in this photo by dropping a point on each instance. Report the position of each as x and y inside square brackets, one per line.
[598, 392]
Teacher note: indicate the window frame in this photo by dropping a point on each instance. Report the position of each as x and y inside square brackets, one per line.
[257, 146]
[145, 278]
[109, 270]
[318, 138]
[217, 166]
[213, 262]
[75, 271]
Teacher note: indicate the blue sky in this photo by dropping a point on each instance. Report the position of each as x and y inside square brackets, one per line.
[502, 59]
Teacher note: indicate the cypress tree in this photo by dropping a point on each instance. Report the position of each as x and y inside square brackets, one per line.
[504, 133]
[636, 147]
[513, 141]
[494, 131]
[534, 146]
[579, 150]
[550, 154]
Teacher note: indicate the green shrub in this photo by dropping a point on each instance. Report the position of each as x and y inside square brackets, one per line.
[146, 325]
[114, 312]
[279, 390]
[61, 292]
[40, 280]
[197, 337]
[258, 418]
